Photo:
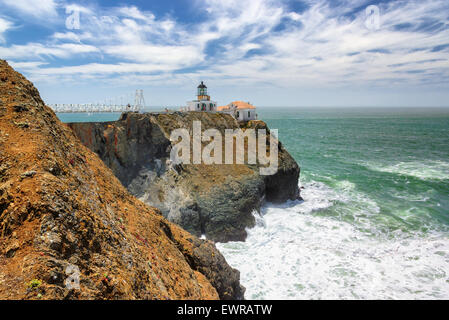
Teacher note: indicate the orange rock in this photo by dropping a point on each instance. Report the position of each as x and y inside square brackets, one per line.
[65, 228]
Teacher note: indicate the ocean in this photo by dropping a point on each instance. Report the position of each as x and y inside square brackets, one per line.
[374, 223]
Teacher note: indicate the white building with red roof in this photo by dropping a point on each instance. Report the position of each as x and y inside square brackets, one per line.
[240, 110]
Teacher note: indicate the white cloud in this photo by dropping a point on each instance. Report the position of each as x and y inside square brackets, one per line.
[37, 8]
[37, 50]
[69, 8]
[294, 16]
[5, 25]
[27, 65]
[246, 19]
[324, 45]
[178, 56]
[135, 13]
[102, 69]
[72, 36]
[331, 49]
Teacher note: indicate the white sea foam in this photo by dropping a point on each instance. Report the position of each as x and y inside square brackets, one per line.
[294, 253]
[424, 170]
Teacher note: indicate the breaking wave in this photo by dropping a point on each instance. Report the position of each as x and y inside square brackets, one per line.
[424, 170]
[299, 250]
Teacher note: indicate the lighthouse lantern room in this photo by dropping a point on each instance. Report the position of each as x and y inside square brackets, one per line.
[203, 102]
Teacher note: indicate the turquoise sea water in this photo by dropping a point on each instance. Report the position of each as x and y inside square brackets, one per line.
[375, 220]
[399, 158]
[88, 117]
[374, 223]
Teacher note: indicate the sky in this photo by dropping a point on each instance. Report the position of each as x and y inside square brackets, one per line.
[267, 52]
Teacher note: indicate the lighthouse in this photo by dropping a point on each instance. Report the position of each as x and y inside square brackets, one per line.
[203, 102]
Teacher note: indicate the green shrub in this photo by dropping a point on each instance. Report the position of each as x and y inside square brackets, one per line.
[34, 284]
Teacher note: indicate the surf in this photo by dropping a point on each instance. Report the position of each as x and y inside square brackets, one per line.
[297, 252]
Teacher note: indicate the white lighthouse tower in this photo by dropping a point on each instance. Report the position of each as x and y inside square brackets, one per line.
[203, 102]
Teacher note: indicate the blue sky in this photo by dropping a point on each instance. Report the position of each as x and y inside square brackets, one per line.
[269, 52]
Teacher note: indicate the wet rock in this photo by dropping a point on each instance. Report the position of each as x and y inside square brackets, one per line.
[224, 278]
[203, 257]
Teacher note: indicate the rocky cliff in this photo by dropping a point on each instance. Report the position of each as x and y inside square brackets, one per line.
[65, 216]
[213, 200]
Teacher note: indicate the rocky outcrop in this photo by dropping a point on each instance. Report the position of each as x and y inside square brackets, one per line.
[213, 200]
[65, 216]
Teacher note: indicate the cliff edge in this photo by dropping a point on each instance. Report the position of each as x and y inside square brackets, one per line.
[213, 200]
[65, 217]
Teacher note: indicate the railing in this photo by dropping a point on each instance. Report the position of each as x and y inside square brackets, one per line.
[92, 108]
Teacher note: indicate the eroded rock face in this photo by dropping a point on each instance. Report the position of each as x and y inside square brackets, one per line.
[213, 200]
[62, 210]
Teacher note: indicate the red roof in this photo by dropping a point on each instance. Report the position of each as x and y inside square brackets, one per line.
[243, 105]
[223, 108]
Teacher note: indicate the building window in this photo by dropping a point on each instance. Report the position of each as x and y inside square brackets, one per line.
[197, 106]
[238, 114]
[249, 114]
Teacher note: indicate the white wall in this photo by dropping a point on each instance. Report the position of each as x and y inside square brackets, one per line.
[193, 105]
[243, 114]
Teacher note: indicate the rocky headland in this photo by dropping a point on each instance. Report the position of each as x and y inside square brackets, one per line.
[62, 210]
[213, 200]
